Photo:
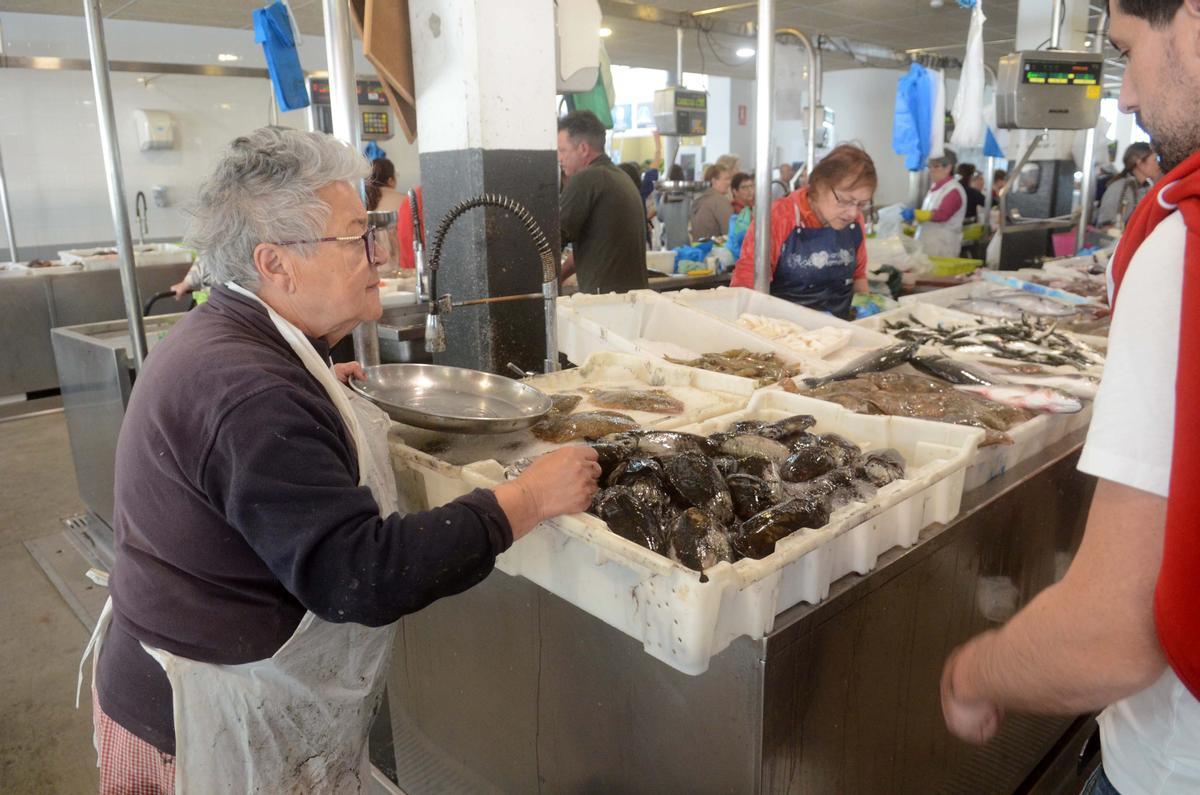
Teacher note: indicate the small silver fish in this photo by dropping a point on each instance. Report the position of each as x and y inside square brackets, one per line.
[1019, 396]
[987, 308]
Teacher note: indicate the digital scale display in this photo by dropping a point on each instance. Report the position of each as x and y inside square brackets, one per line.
[699, 101]
[1061, 74]
[376, 123]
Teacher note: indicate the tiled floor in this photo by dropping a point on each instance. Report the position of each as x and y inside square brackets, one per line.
[45, 743]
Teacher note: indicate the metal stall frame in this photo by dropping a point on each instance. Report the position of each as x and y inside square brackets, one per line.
[764, 110]
[116, 178]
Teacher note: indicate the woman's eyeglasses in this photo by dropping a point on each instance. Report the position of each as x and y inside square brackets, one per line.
[846, 204]
[367, 237]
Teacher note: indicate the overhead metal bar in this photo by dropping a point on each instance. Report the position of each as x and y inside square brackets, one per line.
[814, 91]
[53, 64]
[116, 179]
[764, 110]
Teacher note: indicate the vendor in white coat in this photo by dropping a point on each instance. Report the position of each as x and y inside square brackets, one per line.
[941, 214]
[261, 563]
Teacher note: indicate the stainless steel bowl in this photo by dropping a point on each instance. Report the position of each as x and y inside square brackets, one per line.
[452, 398]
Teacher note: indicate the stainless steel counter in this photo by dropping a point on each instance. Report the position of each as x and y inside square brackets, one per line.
[509, 688]
[30, 306]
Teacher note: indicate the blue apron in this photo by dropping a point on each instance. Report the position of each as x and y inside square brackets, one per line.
[816, 268]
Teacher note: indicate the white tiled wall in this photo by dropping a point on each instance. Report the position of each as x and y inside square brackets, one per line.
[50, 141]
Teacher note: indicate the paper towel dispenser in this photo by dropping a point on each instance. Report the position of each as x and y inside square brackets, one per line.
[155, 129]
[577, 45]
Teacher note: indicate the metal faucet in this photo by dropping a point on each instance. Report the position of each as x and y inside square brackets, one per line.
[435, 335]
[418, 245]
[143, 217]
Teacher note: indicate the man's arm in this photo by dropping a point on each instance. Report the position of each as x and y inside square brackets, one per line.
[1084, 642]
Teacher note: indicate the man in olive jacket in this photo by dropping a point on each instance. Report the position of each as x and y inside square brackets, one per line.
[600, 211]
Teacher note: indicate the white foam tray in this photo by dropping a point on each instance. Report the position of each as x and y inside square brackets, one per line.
[646, 323]
[727, 304]
[683, 621]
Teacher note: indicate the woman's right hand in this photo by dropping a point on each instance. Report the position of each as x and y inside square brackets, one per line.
[557, 483]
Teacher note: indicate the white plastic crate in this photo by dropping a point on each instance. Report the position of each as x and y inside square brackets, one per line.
[727, 304]
[934, 315]
[1029, 438]
[646, 323]
[683, 621]
[704, 394]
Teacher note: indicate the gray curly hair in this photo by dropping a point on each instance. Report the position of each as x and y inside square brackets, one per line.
[264, 190]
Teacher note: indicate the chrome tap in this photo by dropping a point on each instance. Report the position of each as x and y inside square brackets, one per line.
[418, 246]
[143, 217]
[435, 335]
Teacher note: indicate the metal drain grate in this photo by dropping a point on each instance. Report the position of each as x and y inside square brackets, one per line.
[76, 522]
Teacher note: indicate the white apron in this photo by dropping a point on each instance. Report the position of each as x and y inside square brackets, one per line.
[298, 721]
[943, 238]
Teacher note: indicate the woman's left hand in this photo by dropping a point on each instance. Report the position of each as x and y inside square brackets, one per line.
[347, 370]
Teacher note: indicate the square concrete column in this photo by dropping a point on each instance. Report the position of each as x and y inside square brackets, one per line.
[486, 123]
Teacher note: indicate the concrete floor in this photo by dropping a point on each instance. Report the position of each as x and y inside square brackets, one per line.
[45, 743]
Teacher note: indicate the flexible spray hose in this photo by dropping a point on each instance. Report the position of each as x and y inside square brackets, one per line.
[541, 243]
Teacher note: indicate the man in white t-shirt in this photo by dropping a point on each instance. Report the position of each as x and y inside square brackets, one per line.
[1089, 641]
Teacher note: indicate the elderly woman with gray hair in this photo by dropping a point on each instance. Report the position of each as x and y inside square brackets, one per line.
[260, 561]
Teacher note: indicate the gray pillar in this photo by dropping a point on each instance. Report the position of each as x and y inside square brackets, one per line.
[486, 124]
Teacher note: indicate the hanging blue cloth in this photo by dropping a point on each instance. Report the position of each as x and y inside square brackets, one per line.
[372, 151]
[912, 125]
[273, 30]
[991, 148]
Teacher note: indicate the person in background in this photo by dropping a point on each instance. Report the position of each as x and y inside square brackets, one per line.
[743, 206]
[1127, 188]
[731, 163]
[1121, 630]
[742, 186]
[261, 563]
[600, 211]
[999, 180]
[651, 169]
[967, 176]
[381, 186]
[712, 210]
[783, 186]
[672, 211]
[819, 234]
[632, 170]
[941, 215]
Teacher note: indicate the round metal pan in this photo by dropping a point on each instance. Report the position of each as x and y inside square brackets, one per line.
[452, 398]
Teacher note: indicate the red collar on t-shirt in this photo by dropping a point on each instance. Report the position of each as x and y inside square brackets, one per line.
[1177, 592]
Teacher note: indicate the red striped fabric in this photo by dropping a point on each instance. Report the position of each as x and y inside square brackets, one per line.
[128, 764]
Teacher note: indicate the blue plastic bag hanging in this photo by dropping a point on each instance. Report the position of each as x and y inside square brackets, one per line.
[991, 148]
[372, 151]
[912, 124]
[273, 30]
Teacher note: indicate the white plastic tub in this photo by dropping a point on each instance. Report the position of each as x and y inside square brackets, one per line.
[683, 621]
[727, 304]
[1029, 439]
[704, 395]
[645, 323]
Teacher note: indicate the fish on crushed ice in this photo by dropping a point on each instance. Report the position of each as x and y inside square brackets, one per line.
[654, 401]
[1021, 396]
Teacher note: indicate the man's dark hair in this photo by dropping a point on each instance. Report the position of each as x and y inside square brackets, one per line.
[1158, 13]
[583, 125]
[739, 178]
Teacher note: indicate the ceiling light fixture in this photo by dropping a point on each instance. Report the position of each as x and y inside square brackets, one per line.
[225, 57]
[745, 52]
[605, 32]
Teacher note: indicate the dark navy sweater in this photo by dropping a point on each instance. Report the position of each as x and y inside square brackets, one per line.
[237, 508]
